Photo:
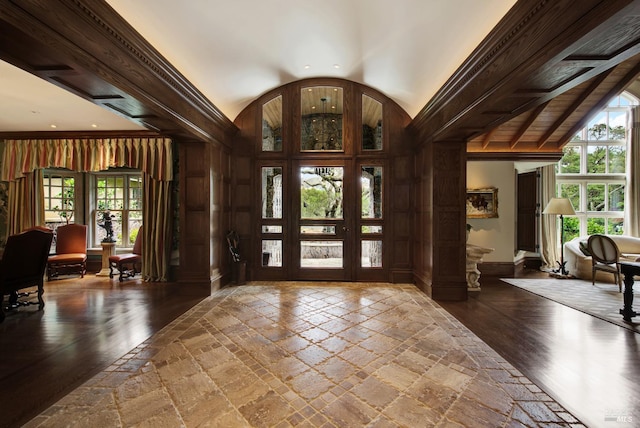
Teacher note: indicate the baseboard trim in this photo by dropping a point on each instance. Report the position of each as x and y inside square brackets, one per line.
[497, 269]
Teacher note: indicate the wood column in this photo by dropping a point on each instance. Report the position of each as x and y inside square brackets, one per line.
[449, 219]
[195, 213]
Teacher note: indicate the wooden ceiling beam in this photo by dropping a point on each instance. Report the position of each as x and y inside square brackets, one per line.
[487, 138]
[527, 124]
[573, 107]
[616, 90]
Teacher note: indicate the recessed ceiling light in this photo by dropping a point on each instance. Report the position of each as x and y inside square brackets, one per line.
[336, 65]
[93, 125]
[53, 125]
[307, 66]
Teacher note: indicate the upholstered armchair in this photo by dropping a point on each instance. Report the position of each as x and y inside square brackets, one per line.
[71, 251]
[605, 256]
[128, 264]
[22, 266]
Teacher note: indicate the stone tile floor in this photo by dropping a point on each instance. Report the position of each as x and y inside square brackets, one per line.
[310, 355]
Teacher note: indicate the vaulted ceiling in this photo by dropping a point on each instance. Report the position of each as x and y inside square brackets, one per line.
[553, 123]
[525, 88]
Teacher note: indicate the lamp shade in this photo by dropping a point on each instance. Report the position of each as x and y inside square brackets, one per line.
[560, 206]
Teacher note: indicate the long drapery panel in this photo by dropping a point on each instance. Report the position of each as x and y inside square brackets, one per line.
[549, 223]
[155, 264]
[25, 207]
[632, 196]
[153, 156]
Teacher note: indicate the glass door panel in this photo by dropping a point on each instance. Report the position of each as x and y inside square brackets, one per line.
[322, 242]
[371, 210]
[322, 254]
[271, 228]
[321, 192]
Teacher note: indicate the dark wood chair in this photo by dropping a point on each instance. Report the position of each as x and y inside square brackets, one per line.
[23, 265]
[71, 251]
[128, 264]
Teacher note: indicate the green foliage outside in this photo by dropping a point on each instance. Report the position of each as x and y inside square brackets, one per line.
[617, 159]
[570, 162]
[597, 160]
[314, 203]
[572, 192]
[571, 228]
[66, 197]
[599, 132]
[133, 235]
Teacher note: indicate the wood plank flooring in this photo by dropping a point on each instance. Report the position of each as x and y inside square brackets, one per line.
[86, 325]
[590, 366]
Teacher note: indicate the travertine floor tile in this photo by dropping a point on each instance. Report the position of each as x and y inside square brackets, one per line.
[310, 355]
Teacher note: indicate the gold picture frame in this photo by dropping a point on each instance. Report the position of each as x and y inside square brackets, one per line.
[482, 203]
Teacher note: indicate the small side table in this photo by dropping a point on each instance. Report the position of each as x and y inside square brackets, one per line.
[108, 250]
[628, 269]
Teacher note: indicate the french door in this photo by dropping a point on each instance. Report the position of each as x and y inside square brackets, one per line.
[322, 220]
[322, 209]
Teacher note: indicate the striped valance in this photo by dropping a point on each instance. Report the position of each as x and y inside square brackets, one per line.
[153, 156]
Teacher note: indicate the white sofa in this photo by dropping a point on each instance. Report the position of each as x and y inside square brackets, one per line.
[579, 264]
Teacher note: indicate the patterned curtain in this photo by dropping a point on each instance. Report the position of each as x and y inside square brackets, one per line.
[151, 155]
[632, 195]
[23, 161]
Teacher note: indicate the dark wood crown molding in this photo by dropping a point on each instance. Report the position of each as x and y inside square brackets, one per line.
[539, 50]
[90, 50]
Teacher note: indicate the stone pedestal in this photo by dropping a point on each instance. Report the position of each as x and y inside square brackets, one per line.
[108, 250]
[474, 256]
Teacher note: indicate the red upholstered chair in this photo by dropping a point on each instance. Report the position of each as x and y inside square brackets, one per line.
[71, 251]
[23, 263]
[128, 264]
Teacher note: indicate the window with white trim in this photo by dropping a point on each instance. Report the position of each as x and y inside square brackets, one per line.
[592, 172]
[59, 197]
[120, 193]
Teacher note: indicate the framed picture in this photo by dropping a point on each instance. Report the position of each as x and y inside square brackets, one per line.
[482, 203]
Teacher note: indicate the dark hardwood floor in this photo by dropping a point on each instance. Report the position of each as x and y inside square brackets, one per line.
[86, 325]
[590, 366]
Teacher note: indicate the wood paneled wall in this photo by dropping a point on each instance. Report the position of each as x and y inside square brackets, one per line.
[449, 219]
[439, 244]
[205, 191]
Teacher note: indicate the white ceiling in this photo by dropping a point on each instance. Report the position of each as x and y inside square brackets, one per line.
[234, 51]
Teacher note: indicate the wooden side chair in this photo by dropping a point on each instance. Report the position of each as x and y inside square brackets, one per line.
[71, 251]
[605, 256]
[23, 265]
[128, 264]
